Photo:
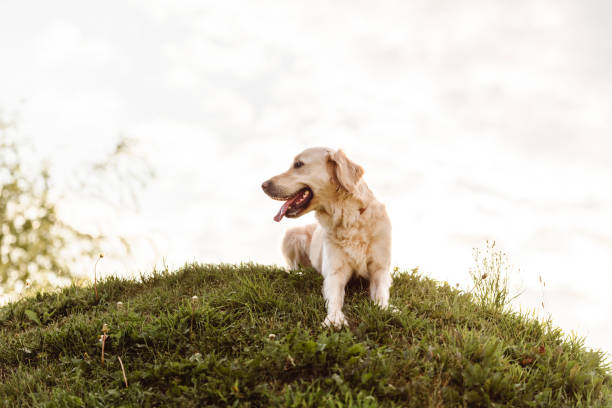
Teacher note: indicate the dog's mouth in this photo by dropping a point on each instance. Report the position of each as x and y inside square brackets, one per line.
[294, 204]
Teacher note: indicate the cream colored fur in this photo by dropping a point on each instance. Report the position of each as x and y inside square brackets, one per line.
[353, 233]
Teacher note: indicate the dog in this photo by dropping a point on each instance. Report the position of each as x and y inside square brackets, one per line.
[353, 233]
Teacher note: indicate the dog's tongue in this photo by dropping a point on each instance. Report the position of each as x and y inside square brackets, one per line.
[285, 207]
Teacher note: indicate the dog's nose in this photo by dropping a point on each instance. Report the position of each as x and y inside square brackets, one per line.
[266, 184]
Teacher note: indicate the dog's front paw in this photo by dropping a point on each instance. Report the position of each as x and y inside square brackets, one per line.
[386, 306]
[335, 320]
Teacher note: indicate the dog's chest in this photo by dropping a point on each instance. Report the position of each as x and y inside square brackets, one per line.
[355, 246]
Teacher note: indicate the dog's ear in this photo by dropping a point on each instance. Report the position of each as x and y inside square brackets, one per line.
[347, 172]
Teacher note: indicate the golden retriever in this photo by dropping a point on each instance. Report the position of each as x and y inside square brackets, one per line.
[353, 233]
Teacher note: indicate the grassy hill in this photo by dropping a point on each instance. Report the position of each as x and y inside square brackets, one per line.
[253, 337]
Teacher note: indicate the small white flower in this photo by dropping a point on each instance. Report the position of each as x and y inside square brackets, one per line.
[196, 357]
[271, 336]
[194, 298]
[119, 305]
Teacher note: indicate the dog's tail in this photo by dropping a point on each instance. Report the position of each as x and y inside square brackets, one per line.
[296, 246]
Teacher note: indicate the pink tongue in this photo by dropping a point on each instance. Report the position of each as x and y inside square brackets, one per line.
[284, 208]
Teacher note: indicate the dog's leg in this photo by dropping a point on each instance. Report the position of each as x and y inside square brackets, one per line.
[380, 282]
[333, 292]
[296, 245]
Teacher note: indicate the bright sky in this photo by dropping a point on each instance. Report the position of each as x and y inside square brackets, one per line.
[474, 120]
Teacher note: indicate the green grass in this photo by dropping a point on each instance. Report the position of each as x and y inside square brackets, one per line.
[253, 337]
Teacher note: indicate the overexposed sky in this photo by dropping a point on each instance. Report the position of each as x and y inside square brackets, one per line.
[474, 120]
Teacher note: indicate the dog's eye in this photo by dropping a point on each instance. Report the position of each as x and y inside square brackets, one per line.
[297, 164]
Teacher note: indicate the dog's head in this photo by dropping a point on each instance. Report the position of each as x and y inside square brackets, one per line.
[316, 176]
